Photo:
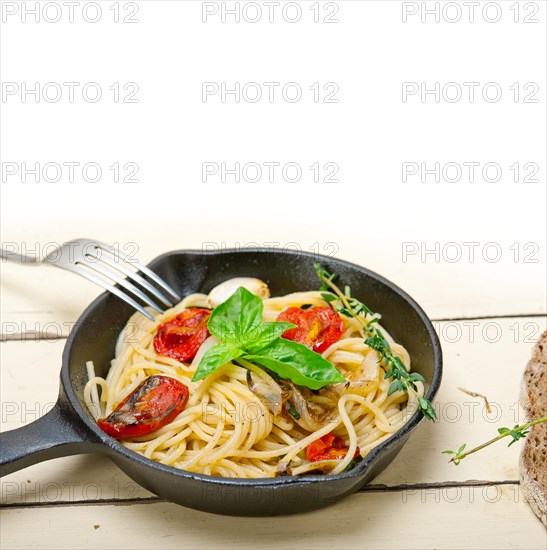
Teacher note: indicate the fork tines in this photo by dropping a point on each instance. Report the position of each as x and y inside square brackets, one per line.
[104, 264]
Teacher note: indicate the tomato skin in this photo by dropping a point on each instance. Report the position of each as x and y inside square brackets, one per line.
[152, 405]
[329, 447]
[181, 336]
[317, 327]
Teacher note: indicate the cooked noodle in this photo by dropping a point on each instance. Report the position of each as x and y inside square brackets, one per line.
[226, 430]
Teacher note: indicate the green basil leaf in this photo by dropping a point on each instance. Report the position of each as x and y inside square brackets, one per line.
[214, 358]
[240, 314]
[297, 363]
[264, 335]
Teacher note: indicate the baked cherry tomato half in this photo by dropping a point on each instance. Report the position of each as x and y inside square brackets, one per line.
[181, 336]
[329, 447]
[317, 327]
[152, 405]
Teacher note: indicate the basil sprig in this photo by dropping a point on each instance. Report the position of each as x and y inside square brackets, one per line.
[237, 323]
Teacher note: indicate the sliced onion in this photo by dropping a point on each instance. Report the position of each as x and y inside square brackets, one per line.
[268, 391]
[364, 380]
[312, 415]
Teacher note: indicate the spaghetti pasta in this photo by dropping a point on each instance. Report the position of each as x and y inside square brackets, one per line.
[227, 430]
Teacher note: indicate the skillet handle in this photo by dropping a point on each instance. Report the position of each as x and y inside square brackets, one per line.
[57, 433]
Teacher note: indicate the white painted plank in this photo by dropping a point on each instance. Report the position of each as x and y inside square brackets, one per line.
[441, 519]
[34, 297]
[493, 369]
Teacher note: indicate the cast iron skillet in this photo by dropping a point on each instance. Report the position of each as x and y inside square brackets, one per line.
[69, 428]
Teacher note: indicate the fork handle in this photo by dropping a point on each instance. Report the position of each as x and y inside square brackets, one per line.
[8, 255]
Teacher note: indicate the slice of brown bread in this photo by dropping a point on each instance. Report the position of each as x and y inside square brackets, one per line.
[533, 459]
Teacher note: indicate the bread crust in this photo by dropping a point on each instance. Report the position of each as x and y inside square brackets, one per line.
[533, 459]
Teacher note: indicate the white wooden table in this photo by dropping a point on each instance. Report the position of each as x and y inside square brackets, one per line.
[420, 501]
[488, 311]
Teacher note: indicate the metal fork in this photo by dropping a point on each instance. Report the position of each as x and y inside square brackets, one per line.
[92, 259]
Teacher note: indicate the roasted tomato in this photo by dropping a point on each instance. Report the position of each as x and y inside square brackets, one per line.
[317, 327]
[181, 336]
[153, 404]
[329, 447]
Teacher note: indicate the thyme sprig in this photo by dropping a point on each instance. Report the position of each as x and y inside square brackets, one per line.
[344, 303]
[516, 433]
